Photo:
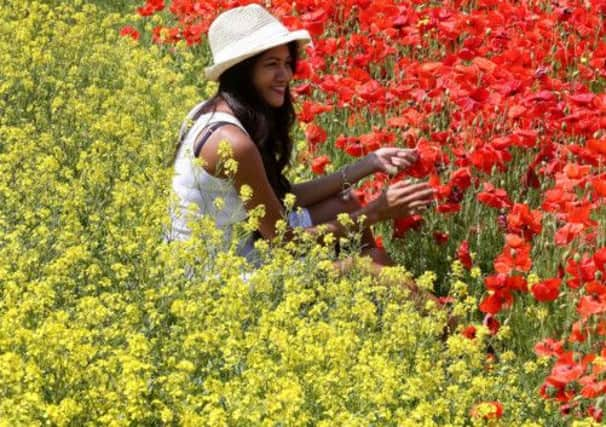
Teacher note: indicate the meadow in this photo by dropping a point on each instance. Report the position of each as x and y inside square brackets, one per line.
[103, 322]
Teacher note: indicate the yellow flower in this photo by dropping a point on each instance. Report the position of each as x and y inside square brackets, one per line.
[457, 269]
[345, 220]
[289, 201]
[475, 272]
[532, 280]
[246, 193]
[427, 280]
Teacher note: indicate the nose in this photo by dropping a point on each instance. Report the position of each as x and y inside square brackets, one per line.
[284, 73]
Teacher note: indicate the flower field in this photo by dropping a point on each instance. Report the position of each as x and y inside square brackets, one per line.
[102, 322]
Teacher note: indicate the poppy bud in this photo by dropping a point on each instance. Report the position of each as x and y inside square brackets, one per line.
[469, 332]
[596, 413]
[502, 221]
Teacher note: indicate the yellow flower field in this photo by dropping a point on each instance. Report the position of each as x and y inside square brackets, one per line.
[103, 323]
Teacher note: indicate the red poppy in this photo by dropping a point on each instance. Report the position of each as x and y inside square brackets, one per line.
[318, 165]
[448, 208]
[402, 225]
[556, 199]
[549, 347]
[578, 333]
[446, 300]
[516, 111]
[429, 156]
[530, 179]
[599, 186]
[599, 259]
[598, 146]
[309, 110]
[314, 21]
[514, 257]
[315, 135]
[469, 332]
[582, 269]
[370, 91]
[576, 171]
[582, 98]
[495, 411]
[567, 233]
[595, 412]
[464, 255]
[304, 69]
[592, 388]
[555, 390]
[524, 221]
[491, 322]
[151, 7]
[500, 281]
[494, 197]
[485, 157]
[547, 290]
[129, 31]
[461, 179]
[566, 370]
[590, 304]
[440, 237]
[398, 122]
[496, 301]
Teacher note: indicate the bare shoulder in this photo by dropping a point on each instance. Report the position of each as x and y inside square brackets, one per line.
[242, 146]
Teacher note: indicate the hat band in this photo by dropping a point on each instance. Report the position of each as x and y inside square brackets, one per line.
[253, 42]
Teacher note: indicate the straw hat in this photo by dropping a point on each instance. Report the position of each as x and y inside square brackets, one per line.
[243, 32]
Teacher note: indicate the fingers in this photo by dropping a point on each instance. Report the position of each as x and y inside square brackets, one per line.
[408, 152]
[404, 158]
[417, 200]
[410, 198]
[408, 187]
[417, 208]
[405, 198]
[392, 160]
[402, 162]
[424, 197]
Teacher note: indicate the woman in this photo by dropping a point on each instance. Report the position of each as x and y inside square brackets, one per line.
[254, 58]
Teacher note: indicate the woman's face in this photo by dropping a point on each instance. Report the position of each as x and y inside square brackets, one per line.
[271, 75]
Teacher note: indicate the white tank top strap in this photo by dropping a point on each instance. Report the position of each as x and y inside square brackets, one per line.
[206, 119]
[190, 129]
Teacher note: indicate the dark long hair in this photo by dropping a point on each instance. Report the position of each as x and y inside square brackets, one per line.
[269, 127]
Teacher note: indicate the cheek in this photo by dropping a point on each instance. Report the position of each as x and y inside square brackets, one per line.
[261, 78]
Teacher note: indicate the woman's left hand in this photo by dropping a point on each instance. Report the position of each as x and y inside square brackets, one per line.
[391, 160]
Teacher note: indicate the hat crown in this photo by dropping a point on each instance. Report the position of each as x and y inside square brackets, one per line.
[242, 32]
[236, 24]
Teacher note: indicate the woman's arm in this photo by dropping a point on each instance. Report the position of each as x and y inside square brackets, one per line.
[316, 190]
[400, 199]
[388, 160]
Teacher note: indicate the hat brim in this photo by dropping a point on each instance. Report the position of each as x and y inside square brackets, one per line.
[301, 36]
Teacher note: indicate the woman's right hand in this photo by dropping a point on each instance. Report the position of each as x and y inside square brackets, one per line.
[402, 199]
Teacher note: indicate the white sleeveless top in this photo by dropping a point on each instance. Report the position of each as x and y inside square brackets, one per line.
[194, 187]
